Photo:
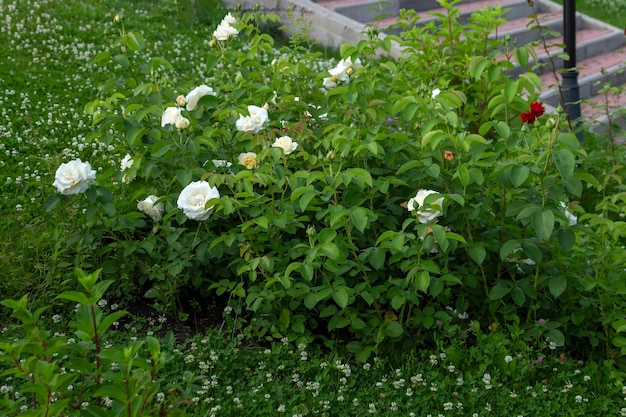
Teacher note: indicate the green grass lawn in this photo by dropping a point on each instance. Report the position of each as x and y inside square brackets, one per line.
[612, 12]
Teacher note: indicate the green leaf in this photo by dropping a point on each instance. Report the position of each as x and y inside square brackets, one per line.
[477, 253]
[543, 224]
[340, 295]
[555, 335]
[476, 66]
[114, 391]
[393, 329]
[519, 174]
[408, 112]
[398, 301]
[422, 281]
[377, 258]
[619, 341]
[109, 320]
[499, 290]
[306, 199]
[567, 238]
[510, 90]
[135, 41]
[134, 135]
[518, 296]
[51, 202]
[338, 322]
[362, 174]
[503, 129]
[557, 285]
[75, 296]
[508, 247]
[331, 250]
[358, 217]
[414, 163]
[521, 56]
[464, 175]
[565, 161]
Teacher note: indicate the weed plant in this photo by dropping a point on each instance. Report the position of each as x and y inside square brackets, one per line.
[51, 369]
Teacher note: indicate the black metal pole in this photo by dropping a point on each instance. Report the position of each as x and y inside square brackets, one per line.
[571, 90]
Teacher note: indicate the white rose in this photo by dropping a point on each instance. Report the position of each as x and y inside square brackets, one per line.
[429, 214]
[221, 163]
[194, 197]
[147, 206]
[435, 93]
[229, 19]
[254, 122]
[224, 31]
[74, 177]
[286, 143]
[170, 116]
[126, 163]
[196, 94]
[248, 159]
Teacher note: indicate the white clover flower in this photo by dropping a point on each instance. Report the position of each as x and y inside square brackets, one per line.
[508, 359]
[196, 94]
[147, 206]
[74, 177]
[286, 143]
[254, 122]
[194, 198]
[429, 214]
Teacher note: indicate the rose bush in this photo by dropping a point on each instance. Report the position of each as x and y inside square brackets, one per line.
[322, 240]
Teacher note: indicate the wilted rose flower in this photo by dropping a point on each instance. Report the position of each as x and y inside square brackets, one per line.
[170, 116]
[194, 198]
[181, 101]
[572, 220]
[428, 214]
[448, 155]
[254, 122]
[153, 210]
[74, 177]
[248, 159]
[196, 94]
[182, 123]
[286, 143]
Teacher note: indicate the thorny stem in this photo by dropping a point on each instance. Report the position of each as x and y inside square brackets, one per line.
[555, 73]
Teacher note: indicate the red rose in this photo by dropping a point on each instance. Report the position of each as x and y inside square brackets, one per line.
[536, 110]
